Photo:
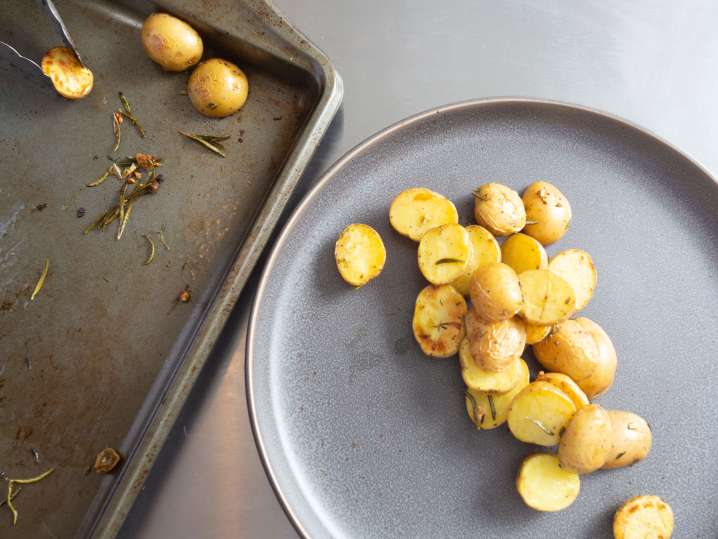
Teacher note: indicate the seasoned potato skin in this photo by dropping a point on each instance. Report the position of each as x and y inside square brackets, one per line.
[171, 42]
[586, 443]
[494, 345]
[631, 439]
[217, 88]
[360, 254]
[580, 349]
[498, 208]
[548, 212]
[438, 320]
[496, 292]
[643, 517]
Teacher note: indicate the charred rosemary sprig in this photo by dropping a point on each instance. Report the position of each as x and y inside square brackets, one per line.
[211, 142]
[41, 281]
[127, 113]
[10, 486]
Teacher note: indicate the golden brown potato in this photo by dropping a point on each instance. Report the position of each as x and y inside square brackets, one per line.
[494, 345]
[171, 42]
[523, 253]
[217, 88]
[359, 254]
[499, 209]
[643, 517]
[70, 78]
[631, 439]
[548, 213]
[544, 485]
[565, 384]
[438, 320]
[486, 251]
[547, 298]
[536, 333]
[577, 269]
[415, 211]
[539, 414]
[483, 380]
[444, 253]
[489, 410]
[580, 349]
[586, 442]
[496, 292]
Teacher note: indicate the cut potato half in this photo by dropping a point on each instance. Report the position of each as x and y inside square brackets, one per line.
[444, 253]
[544, 486]
[490, 410]
[547, 297]
[567, 385]
[486, 250]
[417, 210]
[523, 253]
[439, 320]
[643, 517]
[359, 254]
[494, 345]
[577, 269]
[540, 413]
[70, 78]
[483, 380]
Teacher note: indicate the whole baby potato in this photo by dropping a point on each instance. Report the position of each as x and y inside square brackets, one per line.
[217, 88]
[171, 42]
[548, 213]
[498, 208]
[586, 442]
[631, 439]
[495, 292]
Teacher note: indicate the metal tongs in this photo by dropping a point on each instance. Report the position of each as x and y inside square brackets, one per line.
[49, 7]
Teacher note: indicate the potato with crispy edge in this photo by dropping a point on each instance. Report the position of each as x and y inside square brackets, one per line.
[489, 410]
[548, 213]
[171, 42]
[544, 485]
[415, 211]
[565, 384]
[70, 78]
[499, 208]
[547, 298]
[523, 253]
[539, 414]
[586, 442]
[438, 322]
[580, 349]
[577, 269]
[631, 439]
[444, 253]
[484, 380]
[360, 254]
[643, 517]
[496, 292]
[486, 250]
[494, 345]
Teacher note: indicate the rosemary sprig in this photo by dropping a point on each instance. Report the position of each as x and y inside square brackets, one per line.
[449, 261]
[127, 113]
[123, 221]
[211, 142]
[153, 251]
[116, 121]
[492, 406]
[41, 281]
[543, 427]
[12, 482]
[15, 492]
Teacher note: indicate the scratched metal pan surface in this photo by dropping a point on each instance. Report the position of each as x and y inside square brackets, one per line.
[103, 357]
[363, 436]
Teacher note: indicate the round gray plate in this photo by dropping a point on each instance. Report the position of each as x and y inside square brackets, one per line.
[362, 436]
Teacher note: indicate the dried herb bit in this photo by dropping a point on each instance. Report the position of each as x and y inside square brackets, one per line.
[147, 161]
[543, 427]
[80, 213]
[127, 113]
[116, 122]
[41, 207]
[163, 241]
[449, 261]
[185, 295]
[446, 325]
[620, 455]
[11, 496]
[107, 460]
[101, 179]
[35, 455]
[492, 406]
[211, 142]
[41, 280]
[153, 251]
[477, 416]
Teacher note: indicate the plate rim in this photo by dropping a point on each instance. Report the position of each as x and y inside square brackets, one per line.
[329, 174]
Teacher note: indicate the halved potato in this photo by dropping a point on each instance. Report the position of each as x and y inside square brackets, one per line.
[536, 333]
[417, 210]
[494, 345]
[496, 292]
[544, 485]
[539, 414]
[438, 322]
[483, 380]
[359, 254]
[523, 253]
[567, 385]
[547, 297]
[499, 208]
[548, 213]
[586, 442]
[631, 439]
[577, 269]
[70, 78]
[444, 253]
[643, 517]
[486, 251]
[489, 410]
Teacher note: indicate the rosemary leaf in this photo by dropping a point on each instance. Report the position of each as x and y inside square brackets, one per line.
[101, 179]
[492, 406]
[163, 241]
[449, 261]
[116, 121]
[543, 427]
[41, 280]
[127, 113]
[153, 251]
[211, 142]
[123, 222]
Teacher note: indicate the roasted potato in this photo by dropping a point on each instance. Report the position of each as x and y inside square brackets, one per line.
[577, 269]
[523, 253]
[499, 209]
[483, 380]
[631, 439]
[643, 517]
[489, 410]
[496, 292]
[580, 349]
[444, 253]
[171, 42]
[417, 210]
[70, 78]
[359, 254]
[548, 213]
[438, 320]
[544, 485]
[539, 414]
[536, 333]
[494, 345]
[565, 384]
[217, 88]
[547, 298]
[586, 442]
[486, 250]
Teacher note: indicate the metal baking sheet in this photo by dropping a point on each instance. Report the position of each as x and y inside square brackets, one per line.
[104, 356]
[364, 436]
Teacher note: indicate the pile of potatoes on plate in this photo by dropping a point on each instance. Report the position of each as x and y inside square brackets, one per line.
[518, 297]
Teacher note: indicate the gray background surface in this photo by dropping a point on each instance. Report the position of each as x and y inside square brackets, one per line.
[650, 61]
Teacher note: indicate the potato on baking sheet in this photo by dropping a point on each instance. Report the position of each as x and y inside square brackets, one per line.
[494, 345]
[547, 297]
[586, 442]
[548, 213]
[438, 322]
[643, 517]
[544, 485]
[539, 414]
[444, 253]
[484, 380]
[631, 439]
[577, 269]
[499, 208]
[486, 251]
[415, 211]
[70, 78]
[523, 253]
[489, 410]
[565, 384]
[360, 254]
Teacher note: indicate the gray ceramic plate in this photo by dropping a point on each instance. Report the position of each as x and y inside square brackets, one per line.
[362, 436]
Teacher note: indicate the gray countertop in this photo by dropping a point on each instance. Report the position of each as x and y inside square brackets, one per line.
[652, 62]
